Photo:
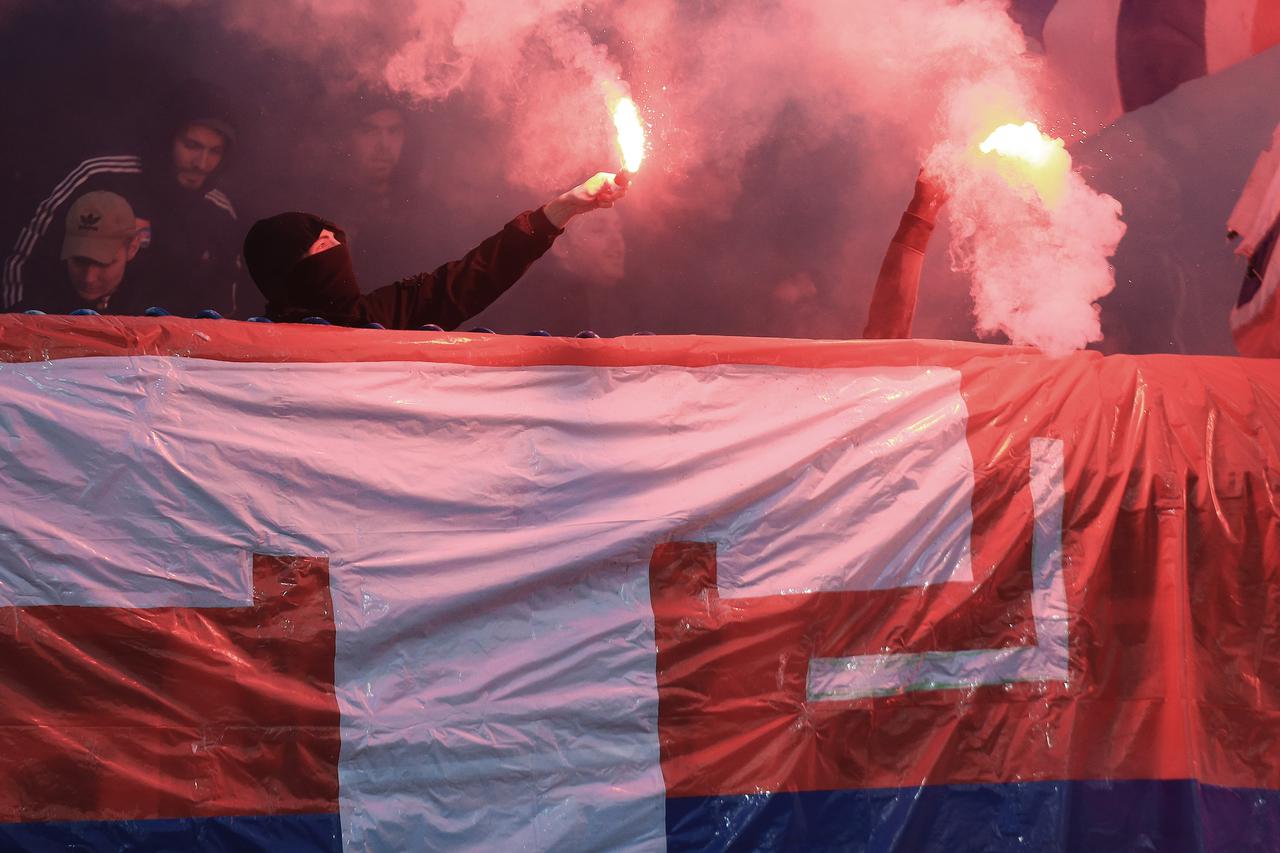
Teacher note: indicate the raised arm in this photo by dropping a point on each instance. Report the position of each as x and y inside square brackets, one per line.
[463, 288]
[893, 303]
[600, 190]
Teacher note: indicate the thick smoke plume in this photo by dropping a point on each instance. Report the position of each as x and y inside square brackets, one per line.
[1035, 243]
[1038, 264]
[717, 81]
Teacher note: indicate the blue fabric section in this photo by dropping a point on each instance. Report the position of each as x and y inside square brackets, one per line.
[1091, 817]
[309, 832]
[1160, 44]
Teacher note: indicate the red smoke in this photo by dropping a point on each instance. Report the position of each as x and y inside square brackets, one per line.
[745, 189]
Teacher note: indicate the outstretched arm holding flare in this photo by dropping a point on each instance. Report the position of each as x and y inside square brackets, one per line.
[893, 303]
[301, 264]
[600, 190]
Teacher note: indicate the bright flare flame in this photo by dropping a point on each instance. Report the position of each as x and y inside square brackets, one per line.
[1028, 156]
[626, 118]
[1024, 141]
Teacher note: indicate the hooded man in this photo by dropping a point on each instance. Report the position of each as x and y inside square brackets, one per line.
[374, 188]
[362, 163]
[189, 237]
[302, 265]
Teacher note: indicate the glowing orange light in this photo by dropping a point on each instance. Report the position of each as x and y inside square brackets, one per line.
[626, 118]
[1024, 141]
[1028, 156]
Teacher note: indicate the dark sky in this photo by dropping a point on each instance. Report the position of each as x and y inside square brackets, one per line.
[780, 236]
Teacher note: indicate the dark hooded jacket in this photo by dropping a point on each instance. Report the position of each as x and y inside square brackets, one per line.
[324, 285]
[387, 227]
[190, 254]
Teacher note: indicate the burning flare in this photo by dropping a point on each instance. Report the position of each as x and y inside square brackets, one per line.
[1028, 156]
[626, 118]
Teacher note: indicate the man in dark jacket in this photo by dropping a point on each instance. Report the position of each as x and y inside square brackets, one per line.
[374, 189]
[189, 258]
[100, 241]
[302, 265]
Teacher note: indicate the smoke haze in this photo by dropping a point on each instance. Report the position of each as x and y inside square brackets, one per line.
[784, 139]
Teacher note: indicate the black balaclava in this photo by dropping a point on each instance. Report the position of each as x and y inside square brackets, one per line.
[296, 286]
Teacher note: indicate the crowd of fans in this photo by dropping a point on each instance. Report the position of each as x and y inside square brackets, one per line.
[123, 232]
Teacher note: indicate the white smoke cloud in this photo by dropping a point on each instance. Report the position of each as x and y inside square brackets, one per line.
[1037, 268]
[1037, 265]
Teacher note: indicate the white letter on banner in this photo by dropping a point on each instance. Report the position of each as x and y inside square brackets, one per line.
[862, 676]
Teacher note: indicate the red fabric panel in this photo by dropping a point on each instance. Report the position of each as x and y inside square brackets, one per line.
[38, 338]
[172, 712]
[1171, 554]
[1266, 25]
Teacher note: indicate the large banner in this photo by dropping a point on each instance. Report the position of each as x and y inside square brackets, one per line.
[294, 587]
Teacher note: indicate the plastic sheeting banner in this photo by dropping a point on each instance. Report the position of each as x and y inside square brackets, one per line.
[326, 588]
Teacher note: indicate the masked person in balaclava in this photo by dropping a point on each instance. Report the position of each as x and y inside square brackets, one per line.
[302, 265]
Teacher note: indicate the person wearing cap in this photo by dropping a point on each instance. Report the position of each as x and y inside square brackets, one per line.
[189, 257]
[100, 239]
[302, 265]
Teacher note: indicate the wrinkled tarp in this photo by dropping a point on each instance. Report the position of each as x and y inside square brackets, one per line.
[271, 586]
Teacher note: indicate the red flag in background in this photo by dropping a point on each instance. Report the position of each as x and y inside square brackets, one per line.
[1255, 321]
[1109, 57]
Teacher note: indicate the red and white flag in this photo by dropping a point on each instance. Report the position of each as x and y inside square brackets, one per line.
[1255, 320]
[292, 587]
[1109, 57]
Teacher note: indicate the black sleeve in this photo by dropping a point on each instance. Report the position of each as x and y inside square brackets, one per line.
[465, 287]
[34, 253]
[223, 288]
[228, 276]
